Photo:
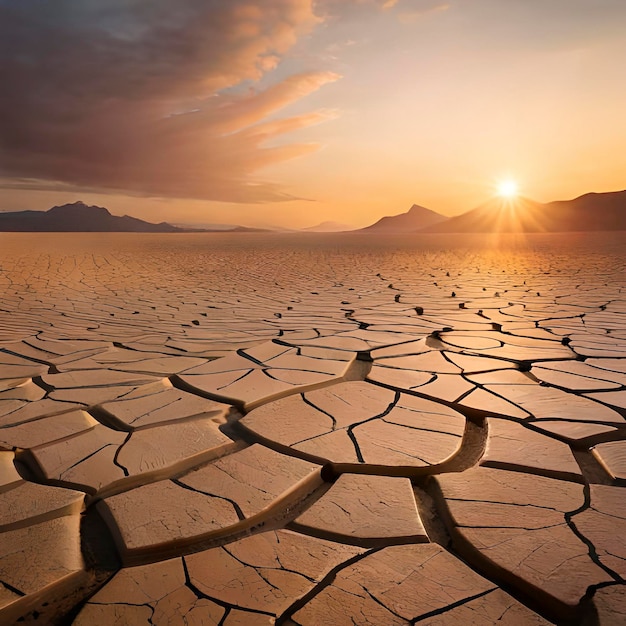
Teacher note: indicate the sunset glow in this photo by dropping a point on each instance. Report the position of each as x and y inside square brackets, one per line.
[293, 112]
[508, 189]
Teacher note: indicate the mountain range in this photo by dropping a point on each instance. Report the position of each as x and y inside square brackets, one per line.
[589, 212]
[79, 217]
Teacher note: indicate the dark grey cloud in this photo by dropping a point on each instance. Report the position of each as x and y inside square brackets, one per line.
[146, 97]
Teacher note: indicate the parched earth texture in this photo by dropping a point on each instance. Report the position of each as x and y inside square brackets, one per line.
[312, 430]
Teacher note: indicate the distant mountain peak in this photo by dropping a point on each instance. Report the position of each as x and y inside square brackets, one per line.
[416, 218]
[329, 227]
[416, 208]
[78, 207]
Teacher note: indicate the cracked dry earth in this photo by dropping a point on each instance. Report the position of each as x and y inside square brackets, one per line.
[259, 429]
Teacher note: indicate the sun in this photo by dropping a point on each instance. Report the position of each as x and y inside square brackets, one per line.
[507, 188]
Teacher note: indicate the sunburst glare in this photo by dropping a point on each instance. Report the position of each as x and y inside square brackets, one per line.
[508, 188]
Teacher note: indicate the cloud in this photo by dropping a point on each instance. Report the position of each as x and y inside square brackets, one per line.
[408, 17]
[351, 7]
[140, 97]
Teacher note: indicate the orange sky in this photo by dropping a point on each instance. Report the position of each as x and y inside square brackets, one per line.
[291, 112]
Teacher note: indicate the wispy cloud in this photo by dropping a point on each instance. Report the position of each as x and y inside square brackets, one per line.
[146, 98]
[415, 14]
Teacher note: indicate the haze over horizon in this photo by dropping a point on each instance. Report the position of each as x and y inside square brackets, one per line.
[292, 112]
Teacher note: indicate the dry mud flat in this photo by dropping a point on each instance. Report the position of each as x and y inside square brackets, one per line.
[267, 429]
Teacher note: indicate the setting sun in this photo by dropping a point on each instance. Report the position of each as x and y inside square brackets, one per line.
[507, 189]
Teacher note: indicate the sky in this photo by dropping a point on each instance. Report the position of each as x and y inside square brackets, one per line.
[292, 112]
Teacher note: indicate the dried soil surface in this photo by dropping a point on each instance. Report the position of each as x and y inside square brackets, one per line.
[318, 429]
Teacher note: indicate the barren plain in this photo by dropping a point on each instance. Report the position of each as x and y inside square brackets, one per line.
[312, 429]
